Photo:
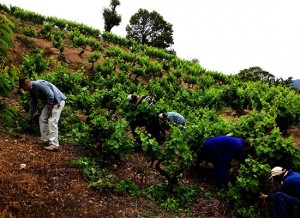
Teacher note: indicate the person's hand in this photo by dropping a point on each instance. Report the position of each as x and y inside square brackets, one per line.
[262, 196]
[50, 107]
[21, 92]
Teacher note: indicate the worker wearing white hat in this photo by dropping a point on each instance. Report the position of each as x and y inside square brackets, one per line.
[288, 195]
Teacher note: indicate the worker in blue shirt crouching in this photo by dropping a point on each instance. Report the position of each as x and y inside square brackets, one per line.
[288, 196]
[221, 150]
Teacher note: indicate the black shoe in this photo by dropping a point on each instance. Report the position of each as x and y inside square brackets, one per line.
[45, 143]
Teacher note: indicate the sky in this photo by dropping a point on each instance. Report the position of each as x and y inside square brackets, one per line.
[224, 35]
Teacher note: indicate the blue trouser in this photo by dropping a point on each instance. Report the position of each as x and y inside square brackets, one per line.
[221, 170]
[280, 203]
[221, 166]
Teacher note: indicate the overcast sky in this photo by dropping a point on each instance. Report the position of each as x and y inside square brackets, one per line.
[224, 35]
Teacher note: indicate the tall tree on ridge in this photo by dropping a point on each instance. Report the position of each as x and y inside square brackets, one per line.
[150, 28]
[110, 16]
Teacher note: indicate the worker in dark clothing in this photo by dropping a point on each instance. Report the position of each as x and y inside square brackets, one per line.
[288, 196]
[221, 150]
[135, 99]
[145, 118]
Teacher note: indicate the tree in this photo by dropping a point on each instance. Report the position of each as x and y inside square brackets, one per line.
[151, 29]
[111, 18]
[258, 74]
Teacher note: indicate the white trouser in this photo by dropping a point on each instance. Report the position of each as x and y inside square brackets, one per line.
[49, 126]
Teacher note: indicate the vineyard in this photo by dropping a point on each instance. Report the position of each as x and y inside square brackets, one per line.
[104, 169]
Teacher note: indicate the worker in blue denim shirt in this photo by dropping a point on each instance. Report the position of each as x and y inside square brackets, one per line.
[55, 102]
[289, 194]
[174, 118]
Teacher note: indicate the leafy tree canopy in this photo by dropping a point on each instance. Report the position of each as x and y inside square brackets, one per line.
[150, 28]
[111, 18]
[258, 74]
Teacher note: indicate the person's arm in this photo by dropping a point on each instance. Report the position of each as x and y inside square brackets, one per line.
[33, 105]
[240, 157]
[270, 197]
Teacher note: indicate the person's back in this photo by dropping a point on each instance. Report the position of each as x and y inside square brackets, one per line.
[46, 92]
[284, 200]
[135, 99]
[228, 146]
[145, 98]
[221, 150]
[291, 184]
[176, 118]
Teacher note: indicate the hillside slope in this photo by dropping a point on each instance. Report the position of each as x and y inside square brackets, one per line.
[48, 187]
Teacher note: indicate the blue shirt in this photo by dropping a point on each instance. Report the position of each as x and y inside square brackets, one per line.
[45, 91]
[224, 148]
[176, 118]
[291, 184]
